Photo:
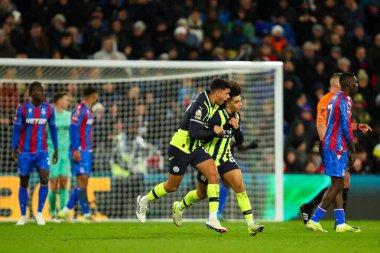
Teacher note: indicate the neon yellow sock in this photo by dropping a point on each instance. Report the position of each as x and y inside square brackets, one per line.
[157, 192]
[213, 197]
[245, 205]
[190, 199]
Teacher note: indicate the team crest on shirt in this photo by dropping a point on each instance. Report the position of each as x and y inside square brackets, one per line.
[30, 110]
[349, 105]
[43, 111]
[198, 113]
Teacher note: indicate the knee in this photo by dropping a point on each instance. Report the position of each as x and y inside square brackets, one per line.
[44, 180]
[24, 184]
[171, 187]
[213, 177]
[201, 194]
[239, 188]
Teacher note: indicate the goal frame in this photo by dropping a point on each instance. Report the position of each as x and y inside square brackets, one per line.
[204, 65]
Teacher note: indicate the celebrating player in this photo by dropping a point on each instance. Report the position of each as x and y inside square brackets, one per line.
[30, 148]
[337, 142]
[307, 208]
[186, 147]
[219, 147]
[60, 172]
[81, 152]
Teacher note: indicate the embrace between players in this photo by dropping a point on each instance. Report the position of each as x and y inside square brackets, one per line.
[203, 139]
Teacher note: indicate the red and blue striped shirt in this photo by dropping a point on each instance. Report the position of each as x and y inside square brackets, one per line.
[339, 130]
[29, 132]
[81, 128]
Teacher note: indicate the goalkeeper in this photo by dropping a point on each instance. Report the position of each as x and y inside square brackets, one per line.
[60, 173]
[219, 147]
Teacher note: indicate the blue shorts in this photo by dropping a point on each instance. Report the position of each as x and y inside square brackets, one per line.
[84, 166]
[335, 167]
[27, 162]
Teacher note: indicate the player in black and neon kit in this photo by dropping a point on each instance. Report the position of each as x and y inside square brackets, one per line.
[186, 147]
[219, 147]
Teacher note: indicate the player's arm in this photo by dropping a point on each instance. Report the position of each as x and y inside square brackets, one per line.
[76, 120]
[364, 128]
[53, 134]
[17, 125]
[197, 124]
[321, 119]
[347, 129]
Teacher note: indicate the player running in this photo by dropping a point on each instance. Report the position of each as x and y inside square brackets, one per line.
[219, 147]
[337, 142]
[186, 147]
[307, 208]
[30, 147]
[60, 173]
[81, 152]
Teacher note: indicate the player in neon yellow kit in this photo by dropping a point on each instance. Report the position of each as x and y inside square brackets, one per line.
[60, 173]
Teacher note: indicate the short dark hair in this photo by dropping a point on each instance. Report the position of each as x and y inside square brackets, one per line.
[88, 91]
[345, 78]
[34, 85]
[219, 83]
[235, 89]
[58, 96]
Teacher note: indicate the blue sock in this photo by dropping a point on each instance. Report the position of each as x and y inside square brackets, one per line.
[73, 198]
[339, 216]
[23, 199]
[42, 195]
[318, 214]
[223, 194]
[83, 200]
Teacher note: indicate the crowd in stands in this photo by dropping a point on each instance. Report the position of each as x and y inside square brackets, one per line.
[313, 38]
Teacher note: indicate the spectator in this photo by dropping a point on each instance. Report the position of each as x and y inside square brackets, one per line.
[92, 36]
[195, 24]
[6, 50]
[140, 40]
[38, 43]
[67, 48]
[109, 51]
[360, 60]
[374, 54]
[278, 40]
[235, 39]
[55, 31]
[180, 43]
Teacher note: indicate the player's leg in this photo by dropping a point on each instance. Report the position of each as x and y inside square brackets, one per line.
[63, 191]
[306, 210]
[64, 174]
[209, 170]
[346, 188]
[82, 181]
[42, 194]
[190, 199]
[233, 176]
[42, 164]
[53, 185]
[24, 169]
[177, 167]
[159, 191]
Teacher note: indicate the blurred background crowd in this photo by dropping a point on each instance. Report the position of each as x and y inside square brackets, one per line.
[313, 38]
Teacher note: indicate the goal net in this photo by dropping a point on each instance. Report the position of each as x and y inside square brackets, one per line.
[139, 108]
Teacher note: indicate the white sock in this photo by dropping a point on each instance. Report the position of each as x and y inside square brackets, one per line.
[39, 213]
[179, 207]
[145, 199]
[65, 209]
[213, 216]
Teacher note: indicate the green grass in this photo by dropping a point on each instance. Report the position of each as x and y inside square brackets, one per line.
[191, 237]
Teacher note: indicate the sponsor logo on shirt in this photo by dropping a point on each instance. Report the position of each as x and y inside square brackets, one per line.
[35, 121]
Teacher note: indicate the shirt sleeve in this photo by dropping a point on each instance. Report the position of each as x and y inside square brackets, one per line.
[238, 133]
[345, 114]
[198, 128]
[76, 120]
[17, 125]
[53, 128]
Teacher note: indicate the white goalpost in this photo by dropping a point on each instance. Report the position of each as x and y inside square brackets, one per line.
[139, 108]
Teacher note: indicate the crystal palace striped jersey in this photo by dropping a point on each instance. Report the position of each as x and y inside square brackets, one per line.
[81, 128]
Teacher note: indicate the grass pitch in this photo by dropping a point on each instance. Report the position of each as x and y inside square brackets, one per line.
[191, 237]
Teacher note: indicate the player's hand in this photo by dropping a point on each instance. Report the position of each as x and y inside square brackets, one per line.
[351, 159]
[76, 156]
[55, 156]
[364, 128]
[218, 130]
[15, 155]
[234, 122]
